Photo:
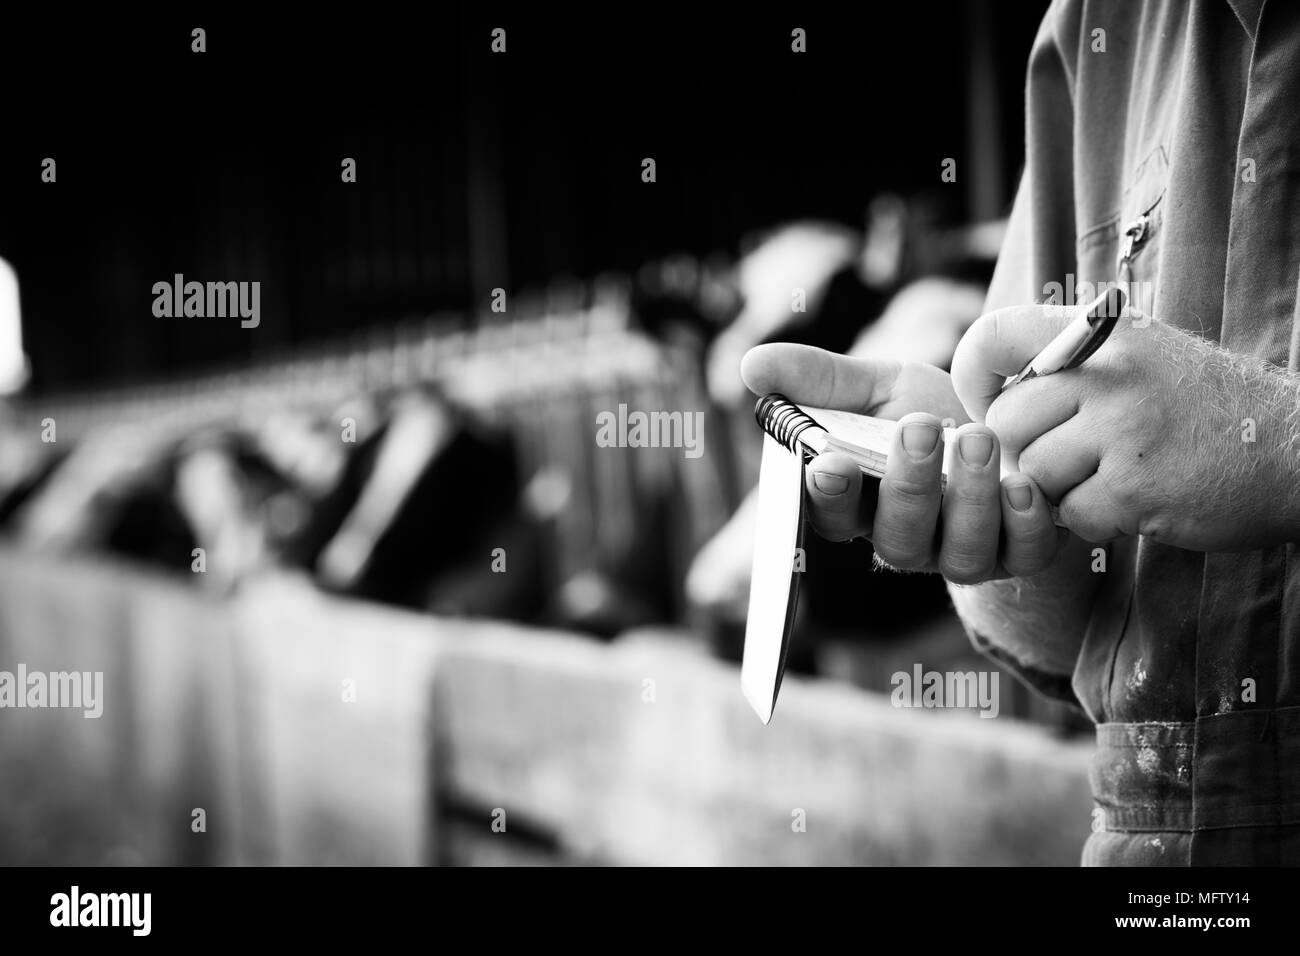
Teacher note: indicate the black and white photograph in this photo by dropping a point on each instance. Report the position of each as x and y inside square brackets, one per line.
[805, 436]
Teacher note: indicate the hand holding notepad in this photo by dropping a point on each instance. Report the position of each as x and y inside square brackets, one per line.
[811, 431]
[928, 497]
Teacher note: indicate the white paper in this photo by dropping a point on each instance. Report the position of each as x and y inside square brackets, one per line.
[771, 590]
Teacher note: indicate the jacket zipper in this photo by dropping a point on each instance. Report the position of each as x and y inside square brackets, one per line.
[1135, 237]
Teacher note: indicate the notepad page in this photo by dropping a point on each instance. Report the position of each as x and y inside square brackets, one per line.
[773, 583]
[868, 440]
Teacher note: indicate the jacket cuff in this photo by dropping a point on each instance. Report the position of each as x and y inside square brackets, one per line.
[1055, 686]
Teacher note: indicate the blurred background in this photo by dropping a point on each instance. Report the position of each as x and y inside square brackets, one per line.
[362, 583]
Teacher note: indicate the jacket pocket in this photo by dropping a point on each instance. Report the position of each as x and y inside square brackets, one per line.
[1125, 247]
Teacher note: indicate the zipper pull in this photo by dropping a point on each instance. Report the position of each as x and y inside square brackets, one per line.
[1135, 233]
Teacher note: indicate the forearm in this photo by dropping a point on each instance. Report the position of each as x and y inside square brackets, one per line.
[1231, 479]
[1269, 420]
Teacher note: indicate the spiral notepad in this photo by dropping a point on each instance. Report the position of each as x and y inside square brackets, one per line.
[795, 435]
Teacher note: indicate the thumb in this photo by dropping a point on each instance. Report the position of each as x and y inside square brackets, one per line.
[998, 345]
[813, 376]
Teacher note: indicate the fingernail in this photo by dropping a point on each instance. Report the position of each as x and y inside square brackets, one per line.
[976, 450]
[919, 440]
[829, 484]
[1020, 496]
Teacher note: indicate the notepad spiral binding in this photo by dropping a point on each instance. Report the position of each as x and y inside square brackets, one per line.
[786, 422]
[783, 420]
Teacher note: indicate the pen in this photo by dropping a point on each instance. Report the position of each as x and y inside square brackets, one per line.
[1084, 335]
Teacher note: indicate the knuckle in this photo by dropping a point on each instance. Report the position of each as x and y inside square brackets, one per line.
[1029, 557]
[1121, 489]
[1122, 498]
[1021, 566]
[972, 499]
[1033, 465]
[959, 571]
[1082, 523]
[911, 493]
[1157, 527]
[901, 552]
[966, 562]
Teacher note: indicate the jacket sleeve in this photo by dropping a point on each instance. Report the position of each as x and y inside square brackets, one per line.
[1039, 248]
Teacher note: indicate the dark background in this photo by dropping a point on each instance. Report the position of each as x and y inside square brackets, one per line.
[475, 170]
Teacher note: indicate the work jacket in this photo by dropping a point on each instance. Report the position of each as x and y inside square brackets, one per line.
[1175, 125]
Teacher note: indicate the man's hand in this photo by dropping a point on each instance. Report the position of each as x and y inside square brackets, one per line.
[982, 528]
[1159, 433]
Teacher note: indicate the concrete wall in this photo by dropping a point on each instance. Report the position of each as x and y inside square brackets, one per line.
[238, 707]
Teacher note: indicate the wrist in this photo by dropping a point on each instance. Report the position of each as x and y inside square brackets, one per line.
[1057, 601]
